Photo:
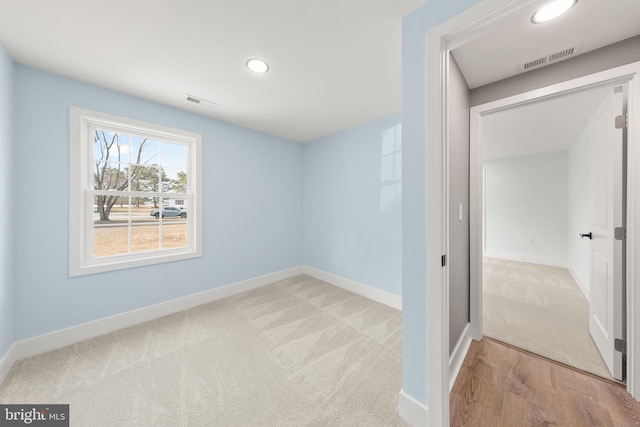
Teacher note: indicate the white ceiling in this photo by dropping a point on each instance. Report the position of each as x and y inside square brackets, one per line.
[549, 125]
[589, 25]
[334, 63]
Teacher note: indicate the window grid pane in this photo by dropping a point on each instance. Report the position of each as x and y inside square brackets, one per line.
[123, 172]
[110, 237]
[127, 163]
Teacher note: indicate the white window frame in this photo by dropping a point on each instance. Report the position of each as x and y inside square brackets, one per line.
[81, 258]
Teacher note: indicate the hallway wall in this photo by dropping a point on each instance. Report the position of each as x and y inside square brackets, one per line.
[617, 54]
[526, 208]
[459, 296]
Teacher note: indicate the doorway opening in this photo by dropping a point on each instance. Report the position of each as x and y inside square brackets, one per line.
[592, 175]
[440, 42]
[546, 179]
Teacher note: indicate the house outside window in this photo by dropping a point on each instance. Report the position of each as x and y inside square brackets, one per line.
[127, 179]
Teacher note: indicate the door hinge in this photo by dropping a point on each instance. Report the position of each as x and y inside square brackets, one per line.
[619, 233]
[622, 121]
[444, 260]
[620, 345]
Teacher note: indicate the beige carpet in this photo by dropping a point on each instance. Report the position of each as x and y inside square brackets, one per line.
[540, 309]
[298, 352]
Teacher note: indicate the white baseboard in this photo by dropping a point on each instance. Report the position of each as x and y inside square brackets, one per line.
[553, 262]
[10, 357]
[457, 357]
[583, 286]
[74, 334]
[412, 411]
[394, 301]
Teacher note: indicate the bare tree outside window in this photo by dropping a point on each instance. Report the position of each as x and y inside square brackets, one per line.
[111, 173]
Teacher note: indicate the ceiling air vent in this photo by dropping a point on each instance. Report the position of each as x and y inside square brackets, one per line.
[535, 63]
[549, 59]
[562, 54]
[200, 101]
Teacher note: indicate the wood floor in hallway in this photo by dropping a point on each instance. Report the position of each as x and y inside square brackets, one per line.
[501, 386]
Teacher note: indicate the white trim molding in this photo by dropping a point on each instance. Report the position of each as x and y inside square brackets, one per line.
[412, 411]
[74, 334]
[7, 361]
[64, 337]
[458, 355]
[386, 298]
[553, 262]
[633, 237]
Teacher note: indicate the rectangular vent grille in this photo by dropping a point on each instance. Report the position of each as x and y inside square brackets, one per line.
[561, 54]
[537, 63]
[546, 60]
[200, 101]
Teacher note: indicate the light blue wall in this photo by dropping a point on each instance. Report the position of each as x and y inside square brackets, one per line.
[252, 201]
[352, 204]
[7, 68]
[252, 194]
[414, 201]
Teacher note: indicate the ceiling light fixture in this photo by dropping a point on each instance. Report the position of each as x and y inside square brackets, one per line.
[258, 66]
[552, 10]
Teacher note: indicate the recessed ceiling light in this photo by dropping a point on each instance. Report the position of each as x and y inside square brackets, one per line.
[552, 10]
[257, 65]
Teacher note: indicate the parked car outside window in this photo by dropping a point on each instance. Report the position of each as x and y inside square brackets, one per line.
[169, 211]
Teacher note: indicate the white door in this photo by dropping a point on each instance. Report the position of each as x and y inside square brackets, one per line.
[607, 273]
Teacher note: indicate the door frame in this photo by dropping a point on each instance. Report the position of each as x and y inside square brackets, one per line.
[440, 40]
[623, 74]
